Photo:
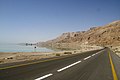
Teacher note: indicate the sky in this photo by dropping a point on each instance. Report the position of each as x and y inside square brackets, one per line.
[41, 20]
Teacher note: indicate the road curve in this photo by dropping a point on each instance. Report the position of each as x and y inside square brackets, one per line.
[92, 65]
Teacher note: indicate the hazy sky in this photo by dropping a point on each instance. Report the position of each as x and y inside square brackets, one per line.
[41, 20]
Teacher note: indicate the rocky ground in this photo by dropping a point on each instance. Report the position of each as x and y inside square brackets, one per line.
[106, 35]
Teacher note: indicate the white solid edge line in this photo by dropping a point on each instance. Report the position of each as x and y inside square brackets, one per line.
[43, 77]
[68, 66]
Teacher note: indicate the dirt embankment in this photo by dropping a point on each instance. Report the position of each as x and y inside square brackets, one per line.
[116, 49]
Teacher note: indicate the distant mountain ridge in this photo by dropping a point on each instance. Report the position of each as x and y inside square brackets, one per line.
[107, 35]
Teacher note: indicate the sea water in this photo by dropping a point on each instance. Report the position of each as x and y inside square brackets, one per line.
[22, 48]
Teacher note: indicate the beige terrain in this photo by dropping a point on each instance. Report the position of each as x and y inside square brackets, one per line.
[22, 56]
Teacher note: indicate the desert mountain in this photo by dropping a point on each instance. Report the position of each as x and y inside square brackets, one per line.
[107, 35]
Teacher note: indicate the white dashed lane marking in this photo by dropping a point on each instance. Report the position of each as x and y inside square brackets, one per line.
[87, 58]
[68, 66]
[93, 54]
[43, 77]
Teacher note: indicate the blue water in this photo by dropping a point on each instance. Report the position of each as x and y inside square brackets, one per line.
[21, 48]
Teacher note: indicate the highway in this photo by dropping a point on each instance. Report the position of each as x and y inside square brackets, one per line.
[93, 65]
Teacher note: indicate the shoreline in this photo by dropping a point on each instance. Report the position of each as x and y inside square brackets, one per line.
[10, 57]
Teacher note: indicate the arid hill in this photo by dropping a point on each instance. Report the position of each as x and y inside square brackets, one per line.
[107, 35]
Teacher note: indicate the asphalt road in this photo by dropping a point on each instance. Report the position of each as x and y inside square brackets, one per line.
[92, 65]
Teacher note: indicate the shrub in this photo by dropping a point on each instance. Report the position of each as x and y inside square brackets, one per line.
[67, 52]
[57, 54]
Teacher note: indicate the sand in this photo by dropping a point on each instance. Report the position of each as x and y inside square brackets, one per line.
[22, 56]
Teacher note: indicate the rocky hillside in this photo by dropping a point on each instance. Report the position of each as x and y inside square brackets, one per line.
[107, 35]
